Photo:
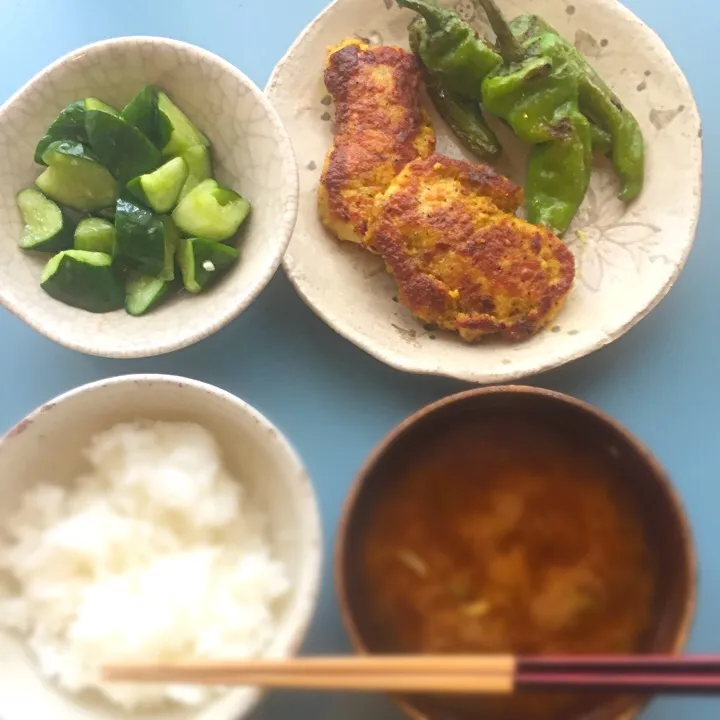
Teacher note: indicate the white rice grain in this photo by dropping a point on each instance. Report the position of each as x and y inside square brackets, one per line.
[156, 554]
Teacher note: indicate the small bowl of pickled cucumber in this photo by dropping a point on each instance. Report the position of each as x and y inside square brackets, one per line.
[150, 197]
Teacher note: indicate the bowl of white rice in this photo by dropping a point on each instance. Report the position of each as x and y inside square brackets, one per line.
[148, 518]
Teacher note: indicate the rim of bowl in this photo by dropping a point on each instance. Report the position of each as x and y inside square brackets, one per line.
[289, 170]
[308, 588]
[630, 708]
[398, 360]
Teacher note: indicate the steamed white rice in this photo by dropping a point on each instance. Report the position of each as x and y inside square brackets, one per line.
[156, 554]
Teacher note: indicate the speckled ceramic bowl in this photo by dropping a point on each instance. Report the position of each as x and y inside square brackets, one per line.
[47, 445]
[251, 153]
[628, 257]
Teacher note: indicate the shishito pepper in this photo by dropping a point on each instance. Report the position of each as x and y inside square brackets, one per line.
[601, 140]
[452, 51]
[464, 117]
[537, 94]
[599, 104]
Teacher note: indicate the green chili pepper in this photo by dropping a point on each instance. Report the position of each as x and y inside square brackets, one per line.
[537, 94]
[558, 175]
[601, 140]
[464, 117]
[527, 95]
[600, 104]
[452, 51]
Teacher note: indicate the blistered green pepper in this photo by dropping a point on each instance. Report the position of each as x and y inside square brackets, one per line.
[464, 117]
[558, 175]
[452, 51]
[601, 140]
[600, 104]
[537, 94]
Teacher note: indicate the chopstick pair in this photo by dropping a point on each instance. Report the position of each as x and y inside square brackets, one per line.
[445, 674]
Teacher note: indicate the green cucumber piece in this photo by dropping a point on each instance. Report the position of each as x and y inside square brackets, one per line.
[160, 189]
[70, 125]
[211, 211]
[66, 151]
[95, 235]
[85, 280]
[184, 134]
[172, 240]
[145, 292]
[120, 147]
[203, 262]
[92, 103]
[199, 165]
[143, 240]
[142, 112]
[107, 213]
[74, 178]
[47, 228]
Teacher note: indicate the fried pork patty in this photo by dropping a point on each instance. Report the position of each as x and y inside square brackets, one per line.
[461, 260]
[380, 127]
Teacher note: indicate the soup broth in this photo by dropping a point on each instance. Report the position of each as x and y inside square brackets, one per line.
[496, 537]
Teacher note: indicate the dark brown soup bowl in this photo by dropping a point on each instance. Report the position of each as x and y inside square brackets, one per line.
[656, 511]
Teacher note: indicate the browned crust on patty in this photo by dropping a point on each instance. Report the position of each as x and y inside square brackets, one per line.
[462, 262]
[380, 127]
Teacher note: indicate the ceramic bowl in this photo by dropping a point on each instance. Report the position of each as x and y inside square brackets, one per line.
[48, 444]
[655, 503]
[251, 153]
[627, 257]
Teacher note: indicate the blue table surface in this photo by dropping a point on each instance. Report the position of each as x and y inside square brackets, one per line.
[332, 400]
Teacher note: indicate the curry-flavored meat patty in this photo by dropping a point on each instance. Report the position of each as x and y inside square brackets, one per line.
[380, 127]
[461, 259]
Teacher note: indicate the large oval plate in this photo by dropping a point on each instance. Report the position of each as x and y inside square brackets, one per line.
[627, 257]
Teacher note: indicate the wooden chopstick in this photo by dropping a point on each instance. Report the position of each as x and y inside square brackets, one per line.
[429, 664]
[499, 674]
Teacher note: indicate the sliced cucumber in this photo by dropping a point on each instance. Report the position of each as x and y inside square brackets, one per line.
[211, 211]
[145, 292]
[184, 134]
[199, 165]
[172, 240]
[203, 262]
[108, 213]
[84, 280]
[64, 152]
[160, 189]
[95, 104]
[95, 235]
[47, 228]
[120, 147]
[70, 125]
[142, 112]
[140, 243]
[75, 179]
